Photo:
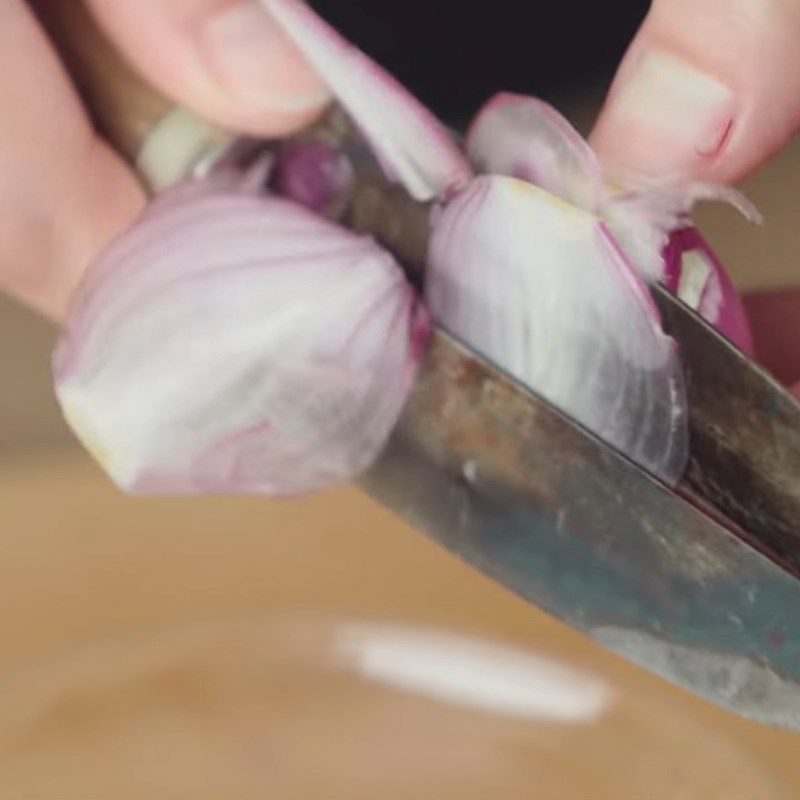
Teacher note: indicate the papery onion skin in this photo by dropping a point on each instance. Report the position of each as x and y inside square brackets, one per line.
[413, 146]
[232, 343]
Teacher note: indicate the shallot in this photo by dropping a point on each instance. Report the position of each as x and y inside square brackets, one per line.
[238, 341]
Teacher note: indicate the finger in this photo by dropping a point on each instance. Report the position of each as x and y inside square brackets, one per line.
[225, 59]
[63, 194]
[775, 319]
[709, 89]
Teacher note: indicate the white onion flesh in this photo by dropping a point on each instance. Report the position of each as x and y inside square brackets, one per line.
[539, 287]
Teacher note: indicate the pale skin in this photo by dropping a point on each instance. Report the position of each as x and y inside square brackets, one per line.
[731, 68]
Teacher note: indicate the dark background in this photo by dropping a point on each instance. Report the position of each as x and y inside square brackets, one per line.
[455, 55]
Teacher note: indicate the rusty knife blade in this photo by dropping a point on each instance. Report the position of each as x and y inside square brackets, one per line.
[501, 478]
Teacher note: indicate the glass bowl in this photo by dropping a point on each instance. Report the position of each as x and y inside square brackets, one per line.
[304, 707]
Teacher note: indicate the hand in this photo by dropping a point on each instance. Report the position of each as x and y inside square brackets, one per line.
[710, 89]
[63, 193]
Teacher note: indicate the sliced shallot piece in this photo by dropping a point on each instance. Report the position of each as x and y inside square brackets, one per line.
[237, 343]
[541, 288]
[526, 138]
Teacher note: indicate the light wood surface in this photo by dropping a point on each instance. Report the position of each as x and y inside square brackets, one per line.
[81, 564]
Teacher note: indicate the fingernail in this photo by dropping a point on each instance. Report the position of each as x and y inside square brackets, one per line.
[253, 60]
[667, 117]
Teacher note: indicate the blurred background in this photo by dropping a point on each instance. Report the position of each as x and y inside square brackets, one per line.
[82, 566]
[455, 55]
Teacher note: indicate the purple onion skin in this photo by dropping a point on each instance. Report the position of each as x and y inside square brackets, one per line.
[314, 175]
[728, 316]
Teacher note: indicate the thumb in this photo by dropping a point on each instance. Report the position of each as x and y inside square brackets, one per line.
[710, 89]
[224, 59]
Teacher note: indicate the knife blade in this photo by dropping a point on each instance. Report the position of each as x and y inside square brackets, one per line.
[497, 476]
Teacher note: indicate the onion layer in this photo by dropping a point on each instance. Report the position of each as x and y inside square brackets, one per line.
[526, 138]
[540, 287]
[234, 343]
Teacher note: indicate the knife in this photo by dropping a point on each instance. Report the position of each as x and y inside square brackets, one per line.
[698, 584]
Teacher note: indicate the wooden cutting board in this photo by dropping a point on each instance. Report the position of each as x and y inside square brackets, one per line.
[81, 563]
